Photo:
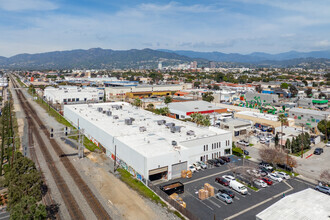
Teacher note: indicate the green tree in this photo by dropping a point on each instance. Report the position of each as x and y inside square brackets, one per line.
[208, 96]
[197, 84]
[293, 90]
[284, 86]
[163, 111]
[309, 92]
[137, 102]
[324, 127]
[150, 106]
[209, 86]
[276, 139]
[23, 179]
[28, 208]
[216, 87]
[288, 144]
[168, 99]
[305, 82]
[322, 95]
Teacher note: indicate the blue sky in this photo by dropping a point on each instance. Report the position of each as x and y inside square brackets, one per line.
[230, 26]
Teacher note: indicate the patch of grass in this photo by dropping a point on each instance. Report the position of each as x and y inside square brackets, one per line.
[251, 145]
[138, 186]
[178, 215]
[20, 82]
[237, 151]
[247, 157]
[248, 185]
[299, 153]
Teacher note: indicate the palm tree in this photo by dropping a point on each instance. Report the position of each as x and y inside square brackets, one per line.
[283, 120]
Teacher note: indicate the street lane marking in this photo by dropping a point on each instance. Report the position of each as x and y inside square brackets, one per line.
[259, 204]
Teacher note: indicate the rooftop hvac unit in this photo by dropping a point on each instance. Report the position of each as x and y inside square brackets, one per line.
[115, 117]
[170, 124]
[109, 113]
[142, 129]
[132, 119]
[190, 133]
[128, 121]
[161, 122]
[175, 129]
[174, 143]
[99, 109]
[104, 112]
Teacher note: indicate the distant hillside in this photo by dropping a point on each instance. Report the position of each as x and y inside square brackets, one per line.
[94, 58]
[256, 57]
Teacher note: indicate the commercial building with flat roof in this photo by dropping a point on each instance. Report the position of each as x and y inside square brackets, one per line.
[183, 110]
[149, 146]
[236, 126]
[306, 204]
[307, 117]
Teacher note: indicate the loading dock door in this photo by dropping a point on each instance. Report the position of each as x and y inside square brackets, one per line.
[176, 169]
[159, 173]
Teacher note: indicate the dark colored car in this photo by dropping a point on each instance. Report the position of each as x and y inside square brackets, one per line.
[263, 169]
[227, 159]
[285, 167]
[222, 181]
[213, 162]
[267, 180]
[220, 161]
[246, 152]
[318, 151]
[263, 173]
[228, 192]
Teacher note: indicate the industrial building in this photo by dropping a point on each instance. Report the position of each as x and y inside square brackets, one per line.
[265, 98]
[144, 91]
[183, 110]
[237, 126]
[73, 94]
[307, 117]
[149, 146]
[321, 104]
[295, 206]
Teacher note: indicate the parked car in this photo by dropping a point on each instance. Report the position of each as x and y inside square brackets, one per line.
[263, 169]
[285, 167]
[262, 173]
[213, 162]
[267, 180]
[222, 181]
[253, 172]
[197, 166]
[239, 187]
[202, 164]
[283, 175]
[318, 151]
[192, 168]
[267, 167]
[220, 161]
[246, 152]
[224, 197]
[273, 176]
[323, 189]
[228, 192]
[328, 144]
[227, 159]
[242, 143]
[260, 183]
[228, 177]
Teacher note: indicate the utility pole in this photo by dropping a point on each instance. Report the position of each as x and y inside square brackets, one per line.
[302, 141]
[326, 127]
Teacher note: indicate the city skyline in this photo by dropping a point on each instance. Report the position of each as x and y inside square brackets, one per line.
[239, 26]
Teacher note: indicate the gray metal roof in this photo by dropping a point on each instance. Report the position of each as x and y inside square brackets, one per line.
[193, 106]
[309, 111]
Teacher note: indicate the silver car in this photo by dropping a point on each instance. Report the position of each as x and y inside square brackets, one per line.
[224, 197]
[323, 189]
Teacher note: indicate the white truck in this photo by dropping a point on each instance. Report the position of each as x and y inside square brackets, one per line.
[239, 187]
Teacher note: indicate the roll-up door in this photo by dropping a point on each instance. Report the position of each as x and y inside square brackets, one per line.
[158, 170]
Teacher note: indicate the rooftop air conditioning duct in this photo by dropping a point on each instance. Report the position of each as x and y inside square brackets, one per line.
[161, 122]
[128, 121]
[142, 129]
[115, 117]
[104, 112]
[109, 113]
[170, 124]
[174, 143]
[99, 109]
[190, 133]
[175, 129]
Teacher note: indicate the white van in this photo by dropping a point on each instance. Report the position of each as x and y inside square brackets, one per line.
[239, 187]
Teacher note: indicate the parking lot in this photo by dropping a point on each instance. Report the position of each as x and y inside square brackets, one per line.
[246, 206]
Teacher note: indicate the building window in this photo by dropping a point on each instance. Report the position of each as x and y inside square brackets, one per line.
[227, 151]
[77, 99]
[64, 100]
[201, 158]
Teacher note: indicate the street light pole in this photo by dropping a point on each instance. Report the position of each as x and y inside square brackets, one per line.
[302, 141]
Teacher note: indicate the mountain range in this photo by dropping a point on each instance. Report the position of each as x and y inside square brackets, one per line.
[255, 57]
[97, 58]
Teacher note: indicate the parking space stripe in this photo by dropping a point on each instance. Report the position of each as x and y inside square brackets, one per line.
[201, 201]
[209, 199]
[259, 204]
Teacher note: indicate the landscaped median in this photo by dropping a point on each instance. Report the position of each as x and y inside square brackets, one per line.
[239, 152]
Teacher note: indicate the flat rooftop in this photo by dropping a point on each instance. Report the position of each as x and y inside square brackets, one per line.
[193, 106]
[260, 115]
[309, 111]
[156, 140]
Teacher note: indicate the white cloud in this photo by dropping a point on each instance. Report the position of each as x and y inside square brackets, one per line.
[22, 5]
[323, 43]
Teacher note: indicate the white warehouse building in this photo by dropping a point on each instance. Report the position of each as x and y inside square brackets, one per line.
[149, 146]
[73, 94]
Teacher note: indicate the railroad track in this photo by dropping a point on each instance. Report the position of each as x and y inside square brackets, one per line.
[67, 196]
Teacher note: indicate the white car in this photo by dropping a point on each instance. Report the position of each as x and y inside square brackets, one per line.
[202, 164]
[260, 183]
[273, 176]
[327, 144]
[228, 177]
[283, 175]
[197, 166]
[192, 168]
